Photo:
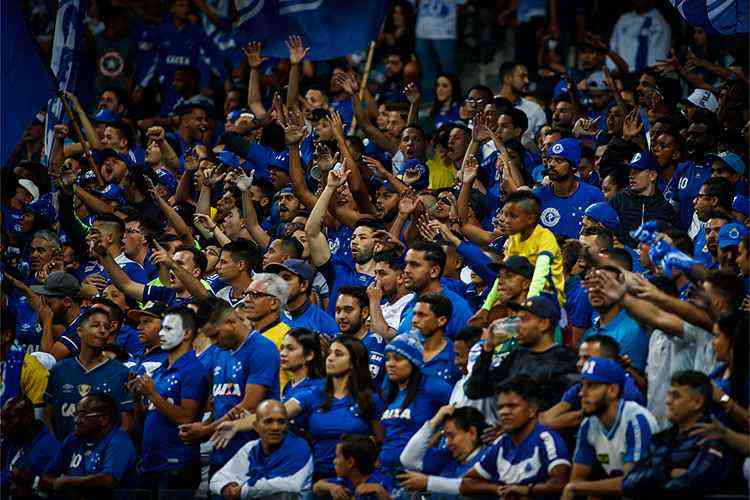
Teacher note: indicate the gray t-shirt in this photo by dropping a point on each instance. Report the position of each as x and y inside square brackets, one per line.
[705, 358]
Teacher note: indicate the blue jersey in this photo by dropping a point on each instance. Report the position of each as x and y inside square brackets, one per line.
[683, 188]
[11, 372]
[69, 381]
[255, 362]
[113, 455]
[529, 462]
[443, 365]
[563, 216]
[400, 424]
[27, 328]
[344, 416]
[208, 357]
[376, 477]
[146, 362]
[292, 390]
[623, 443]
[313, 318]
[162, 448]
[69, 337]
[127, 338]
[630, 392]
[701, 252]
[459, 317]
[375, 345]
[338, 273]
[33, 457]
[165, 295]
[628, 333]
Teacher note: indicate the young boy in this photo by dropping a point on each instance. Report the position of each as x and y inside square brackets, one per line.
[355, 471]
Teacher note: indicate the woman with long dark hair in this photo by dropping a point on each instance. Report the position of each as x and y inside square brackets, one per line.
[345, 404]
[730, 378]
[447, 99]
[303, 359]
[412, 398]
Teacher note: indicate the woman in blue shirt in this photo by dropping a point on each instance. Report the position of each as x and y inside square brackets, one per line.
[730, 378]
[447, 99]
[345, 404]
[302, 358]
[411, 397]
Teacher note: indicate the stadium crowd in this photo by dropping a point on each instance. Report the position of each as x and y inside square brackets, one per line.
[242, 277]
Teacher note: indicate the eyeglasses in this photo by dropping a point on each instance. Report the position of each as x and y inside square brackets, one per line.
[133, 231]
[86, 416]
[253, 295]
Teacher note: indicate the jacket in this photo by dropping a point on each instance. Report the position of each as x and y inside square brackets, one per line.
[706, 468]
[634, 209]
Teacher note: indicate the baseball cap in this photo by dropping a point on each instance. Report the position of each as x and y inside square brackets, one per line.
[643, 160]
[731, 234]
[603, 213]
[741, 204]
[105, 115]
[702, 98]
[515, 264]
[228, 158]
[111, 153]
[605, 371]
[30, 187]
[58, 284]
[294, 266]
[596, 81]
[731, 160]
[113, 192]
[166, 179]
[542, 305]
[153, 309]
[568, 149]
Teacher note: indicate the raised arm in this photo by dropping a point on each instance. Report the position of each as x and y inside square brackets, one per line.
[168, 154]
[296, 54]
[320, 252]
[88, 128]
[254, 60]
[249, 214]
[193, 285]
[174, 218]
[413, 95]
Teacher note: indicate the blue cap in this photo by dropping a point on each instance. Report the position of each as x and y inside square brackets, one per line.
[568, 149]
[43, 206]
[424, 174]
[731, 234]
[388, 187]
[229, 159]
[166, 179]
[113, 192]
[408, 346]
[280, 162]
[560, 90]
[543, 306]
[604, 214]
[643, 160]
[105, 115]
[605, 371]
[294, 266]
[741, 204]
[111, 153]
[731, 160]
[234, 115]
[538, 173]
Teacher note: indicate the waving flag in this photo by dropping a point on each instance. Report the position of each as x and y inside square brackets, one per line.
[332, 28]
[26, 85]
[718, 17]
[65, 53]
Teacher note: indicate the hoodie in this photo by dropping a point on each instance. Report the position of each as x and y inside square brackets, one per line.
[634, 209]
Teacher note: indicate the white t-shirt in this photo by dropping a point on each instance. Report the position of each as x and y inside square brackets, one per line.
[226, 294]
[436, 19]
[536, 117]
[627, 32]
[392, 312]
[705, 358]
[666, 355]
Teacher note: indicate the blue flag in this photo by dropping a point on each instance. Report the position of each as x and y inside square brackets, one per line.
[65, 55]
[26, 84]
[331, 28]
[716, 17]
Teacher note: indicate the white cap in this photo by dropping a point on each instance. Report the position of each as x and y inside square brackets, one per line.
[704, 99]
[30, 187]
[595, 81]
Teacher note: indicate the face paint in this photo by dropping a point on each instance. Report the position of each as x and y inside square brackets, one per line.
[172, 332]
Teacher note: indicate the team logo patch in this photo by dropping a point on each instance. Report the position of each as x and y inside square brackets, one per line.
[550, 217]
[84, 389]
[603, 458]
[734, 233]
[557, 149]
[67, 388]
[636, 158]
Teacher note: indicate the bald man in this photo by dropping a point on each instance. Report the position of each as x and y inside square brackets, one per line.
[277, 463]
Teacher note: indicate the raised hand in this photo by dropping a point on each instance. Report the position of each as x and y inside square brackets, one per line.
[61, 131]
[412, 93]
[338, 125]
[252, 52]
[205, 222]
[244, 181]
[585, 127]
[296, 51]
[337, 179]
[470, 170]
[632, 125]
[408, 204]
[481, 131]
[427, 230]
[375, 166]
[293, 133]
[347, 82]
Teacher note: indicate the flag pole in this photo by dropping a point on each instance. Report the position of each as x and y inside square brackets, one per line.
[363, 84]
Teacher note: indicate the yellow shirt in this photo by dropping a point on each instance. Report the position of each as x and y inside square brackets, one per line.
[276, 334]
[33, 379]
[541, 241]
[442, 172]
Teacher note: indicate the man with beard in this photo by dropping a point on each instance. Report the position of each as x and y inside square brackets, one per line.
[566, 198]
[514, 82]
[641, 201]
[424, 266]
[615, 322]
[386, 202]
[700, 140]
[388, 295]
[352, 311]
[192, 123]
[338, 269]
[299, 311]
[614, 434]
[174, 394]
[714, 196]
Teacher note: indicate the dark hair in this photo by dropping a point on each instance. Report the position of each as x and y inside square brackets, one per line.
[483, 89]
[467, 417]
[86, 315]
[357, 292]
[115, 223]
[620, 257]
[394, 258]
[698, 382]
[272, 135]
[440, 305]
[718, 213]
[722, 189]
[206, 308]
[518, 117]
[310, 343]
[735, 326]
[362, 449]
[455, 93]
[150, 226]
[116, 313]
[187, 316]
[105, 404]
[524, 386]
[729, 285]
[604, 237]
[199, 260]
[572, 250]
[468, 334]
[527, 200]
[608, 346]
[412, 388]
[265, 186]
[292, 247]
[359, 385]
[508, 68]
[246, 251]
[433, 253]
[119, 92]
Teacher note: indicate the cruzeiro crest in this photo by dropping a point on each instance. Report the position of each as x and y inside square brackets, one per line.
[550, 217]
